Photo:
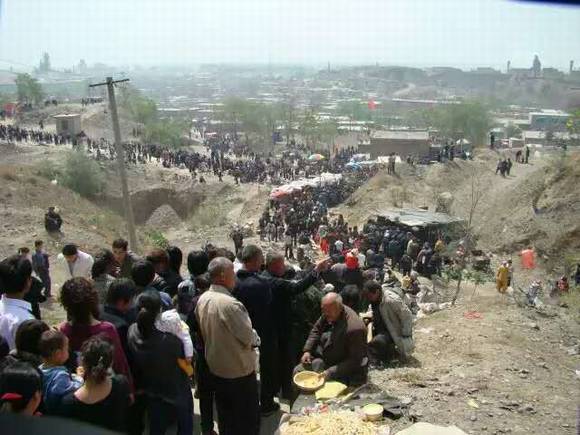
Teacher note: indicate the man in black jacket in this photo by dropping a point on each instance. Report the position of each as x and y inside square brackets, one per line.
[119, 309]
[255, 292]
[283, 291]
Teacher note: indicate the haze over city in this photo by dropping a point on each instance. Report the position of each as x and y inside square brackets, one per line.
[178, 32]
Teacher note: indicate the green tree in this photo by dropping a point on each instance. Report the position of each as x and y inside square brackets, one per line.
[308, 127]
[356, 110]
[233, 107]
[136, 106]
[288, 117]
[470, 120]
[28, 89]
[165, 132]
[327, 132]
[512, 130]
[257, 121]
[573, 125]
[83, 174]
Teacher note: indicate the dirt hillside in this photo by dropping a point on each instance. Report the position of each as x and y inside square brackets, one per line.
[537, 204]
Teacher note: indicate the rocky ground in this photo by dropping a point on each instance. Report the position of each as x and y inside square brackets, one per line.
[507, 369]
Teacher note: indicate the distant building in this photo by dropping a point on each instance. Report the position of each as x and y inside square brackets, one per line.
[535, 137]
[548, 120]
[403, 143]
[68, 124]
[552, 73]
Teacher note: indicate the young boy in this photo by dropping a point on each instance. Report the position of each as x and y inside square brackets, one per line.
[170, 322]
[57, 381]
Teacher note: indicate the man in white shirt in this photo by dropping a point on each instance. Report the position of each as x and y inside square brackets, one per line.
[338, 246]
[15, 281]
[75, 262]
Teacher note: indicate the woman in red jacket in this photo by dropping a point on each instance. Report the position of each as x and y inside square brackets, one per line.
[81, 302]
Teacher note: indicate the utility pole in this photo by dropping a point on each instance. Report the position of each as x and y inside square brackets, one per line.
[129, 217]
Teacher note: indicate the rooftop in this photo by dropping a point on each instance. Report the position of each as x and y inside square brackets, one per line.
[400, 135]
[67, 115]
[418, 217]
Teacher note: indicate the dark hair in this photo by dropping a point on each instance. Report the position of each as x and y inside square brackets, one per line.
[69, 249]
[149, 306]
[175, 258]
[229, 255]
[122, 289]
[24, 250]
[80, 300]
[103, 261]
[202, 282]
[96, 358]
[120, 244]
[23, 381]
[50, 342]
[38, 243]
[350, 296]
[372, 286]
[197, 262]
[15, 272]
[143, 273]
[158, 256]
[212, 252]
[27, 338]
[250, 252]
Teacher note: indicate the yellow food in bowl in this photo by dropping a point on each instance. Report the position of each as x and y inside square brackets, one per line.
[373, 412]
[308, 381]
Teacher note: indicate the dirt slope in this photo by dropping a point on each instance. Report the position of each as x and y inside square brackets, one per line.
[510, 371]
[504, 220]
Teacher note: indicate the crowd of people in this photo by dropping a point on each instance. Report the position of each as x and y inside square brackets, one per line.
[224, 156]
[139, 333]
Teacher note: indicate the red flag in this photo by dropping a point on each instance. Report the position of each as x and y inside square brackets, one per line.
[372, 105]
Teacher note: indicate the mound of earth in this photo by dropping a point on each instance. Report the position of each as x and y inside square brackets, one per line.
[164, 217]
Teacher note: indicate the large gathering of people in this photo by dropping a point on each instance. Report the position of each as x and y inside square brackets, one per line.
[140, 332]
[224, 155]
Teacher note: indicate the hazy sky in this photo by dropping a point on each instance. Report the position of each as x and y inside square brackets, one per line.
[464, 33]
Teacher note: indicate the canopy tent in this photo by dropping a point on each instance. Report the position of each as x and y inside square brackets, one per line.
[361, 163]
[427, 225]
[418, 217]
[323, 179]
[385, 159]
[359, 157]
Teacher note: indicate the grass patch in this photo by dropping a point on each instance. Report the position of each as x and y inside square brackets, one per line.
[157, 238]
[49, 170]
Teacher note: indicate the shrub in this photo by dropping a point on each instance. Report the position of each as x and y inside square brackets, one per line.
[83, 175]
[49, 169]
[157, 238]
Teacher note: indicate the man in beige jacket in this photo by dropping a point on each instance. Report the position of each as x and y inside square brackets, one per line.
[229, 339]
[392, 324]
